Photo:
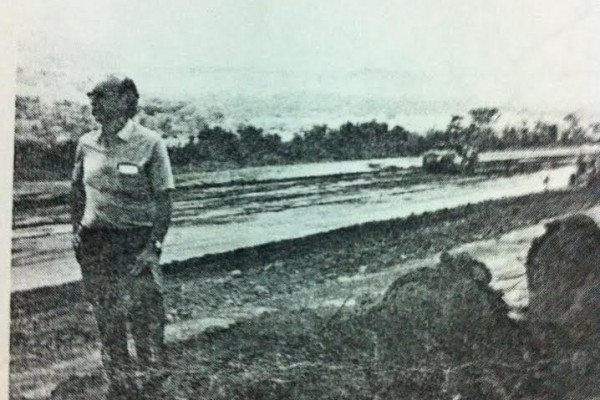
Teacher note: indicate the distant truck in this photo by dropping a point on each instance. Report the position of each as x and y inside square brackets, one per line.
[448, 161]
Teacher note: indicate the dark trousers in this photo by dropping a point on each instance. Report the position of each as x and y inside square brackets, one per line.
[105, 256]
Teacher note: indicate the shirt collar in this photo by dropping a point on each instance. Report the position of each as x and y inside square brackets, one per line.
[124, 134]
[127, 130]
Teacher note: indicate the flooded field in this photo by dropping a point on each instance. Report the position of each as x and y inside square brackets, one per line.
[215, 218]
[221, 211]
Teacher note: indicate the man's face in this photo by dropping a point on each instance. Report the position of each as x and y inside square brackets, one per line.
[108, 104]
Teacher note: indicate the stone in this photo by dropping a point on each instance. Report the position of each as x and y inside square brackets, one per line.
[236, 273]
[261, 290]
[563, 274]
[276, 264]
[432, 321]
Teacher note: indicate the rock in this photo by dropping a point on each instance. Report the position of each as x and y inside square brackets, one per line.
[563, 273]
[172, 315]
[270, 266]
[432, 322]
[362, 269]
[261, 290]
[224, 280]
[236, 273]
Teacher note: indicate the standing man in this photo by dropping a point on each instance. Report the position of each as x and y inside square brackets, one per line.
[121, 211]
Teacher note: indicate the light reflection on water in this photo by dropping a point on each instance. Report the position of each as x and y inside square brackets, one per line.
[368, 205]
[41, 258]
[282, 172]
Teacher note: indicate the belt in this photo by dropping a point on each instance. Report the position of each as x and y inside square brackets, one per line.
[112, 231]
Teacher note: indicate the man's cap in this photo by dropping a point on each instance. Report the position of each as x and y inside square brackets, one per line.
[113, 84]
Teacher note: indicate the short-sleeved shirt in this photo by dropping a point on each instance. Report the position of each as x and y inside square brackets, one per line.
[121, 176]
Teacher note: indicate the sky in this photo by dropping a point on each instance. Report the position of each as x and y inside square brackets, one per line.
[542, 55]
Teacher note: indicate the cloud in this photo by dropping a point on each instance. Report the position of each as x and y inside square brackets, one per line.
[525, 52]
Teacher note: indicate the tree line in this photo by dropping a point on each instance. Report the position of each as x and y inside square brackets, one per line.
[46, 137]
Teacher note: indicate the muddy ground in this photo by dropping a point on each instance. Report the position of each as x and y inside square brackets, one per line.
[276, 321]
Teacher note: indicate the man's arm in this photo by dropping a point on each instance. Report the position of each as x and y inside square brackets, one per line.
[163, 185]
[150, 257]
[77, 190]
[163, 200]
[77, 204]
[164, 208]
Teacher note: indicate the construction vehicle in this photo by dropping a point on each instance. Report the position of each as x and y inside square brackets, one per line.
[461, 160]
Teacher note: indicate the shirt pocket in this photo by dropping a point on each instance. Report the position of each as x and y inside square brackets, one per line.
[130, 178]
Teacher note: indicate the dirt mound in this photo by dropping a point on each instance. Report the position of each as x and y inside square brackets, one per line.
[442, 332]
[563, 272]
